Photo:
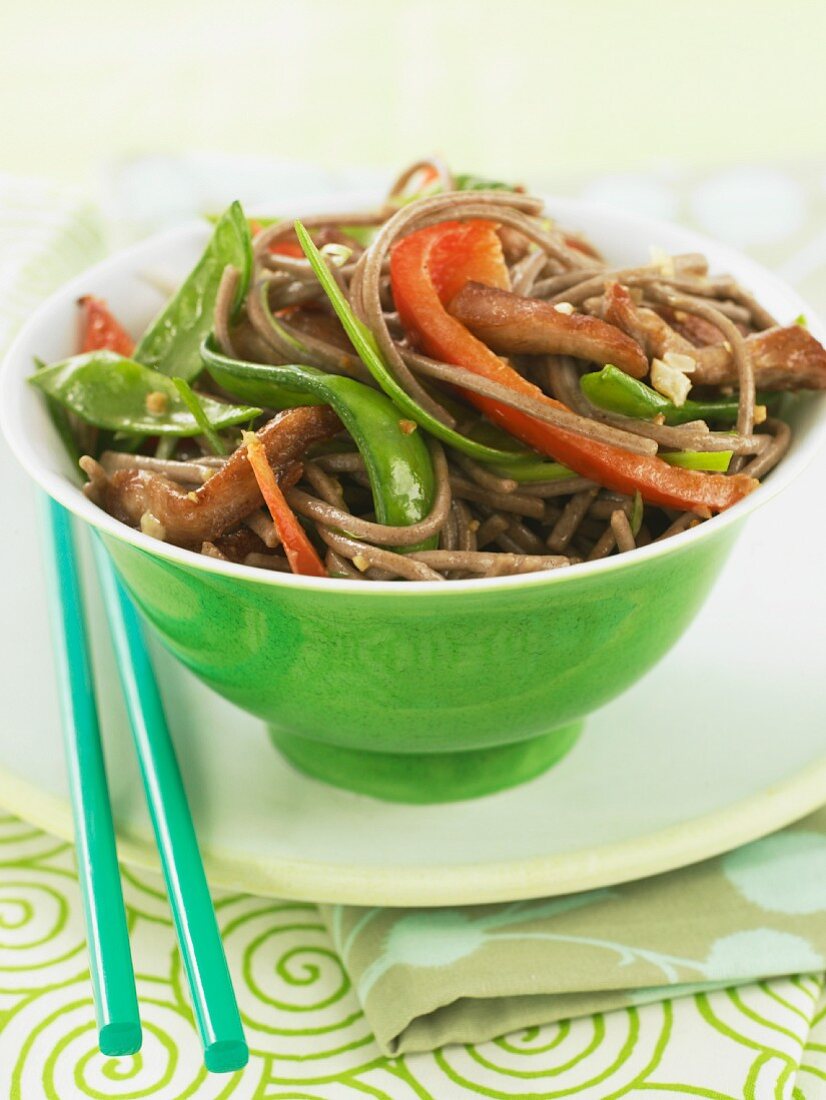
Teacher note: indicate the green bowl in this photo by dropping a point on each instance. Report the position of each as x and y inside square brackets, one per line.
[424, 696]
[415, 692]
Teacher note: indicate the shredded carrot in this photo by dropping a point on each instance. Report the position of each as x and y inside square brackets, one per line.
[301, 553]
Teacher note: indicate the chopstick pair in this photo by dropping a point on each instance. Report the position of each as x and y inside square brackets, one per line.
[113, 979]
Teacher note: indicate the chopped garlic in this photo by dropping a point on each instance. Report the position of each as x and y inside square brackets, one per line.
[662, 260]
[151, 525]
[565, 307]
[760, 414]
[408, 426]
[669, 376]
[337, 254]
[676, 359]
[156, 403]
[361, 563]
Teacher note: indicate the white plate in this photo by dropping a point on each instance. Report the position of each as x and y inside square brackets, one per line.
[721, 743]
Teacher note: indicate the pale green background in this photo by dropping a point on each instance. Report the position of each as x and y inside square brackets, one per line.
[526, 88]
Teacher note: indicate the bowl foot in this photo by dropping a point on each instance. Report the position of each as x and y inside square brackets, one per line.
[427, 777]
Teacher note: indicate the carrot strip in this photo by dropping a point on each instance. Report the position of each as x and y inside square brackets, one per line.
[301, 553]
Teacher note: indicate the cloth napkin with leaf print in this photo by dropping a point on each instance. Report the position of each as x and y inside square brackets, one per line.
[427, 977]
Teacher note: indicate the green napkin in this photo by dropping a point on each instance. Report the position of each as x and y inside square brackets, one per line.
[427, 977]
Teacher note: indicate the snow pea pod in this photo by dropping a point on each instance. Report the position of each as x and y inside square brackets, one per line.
[172, 342]
[615, 391]
[397, 460]
[109, 391]
[60, 419]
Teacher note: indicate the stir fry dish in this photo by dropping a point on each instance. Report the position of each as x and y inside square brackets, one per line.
[450, 386]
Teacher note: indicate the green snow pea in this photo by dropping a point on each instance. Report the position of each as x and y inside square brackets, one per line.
[172, 342]
[60, 419]
[195, 405]
[715, 461]
[615, 391]
[109, 391]
[397, 460]
[465, 181]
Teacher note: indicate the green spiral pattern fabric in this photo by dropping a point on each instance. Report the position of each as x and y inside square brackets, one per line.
[308, 1036]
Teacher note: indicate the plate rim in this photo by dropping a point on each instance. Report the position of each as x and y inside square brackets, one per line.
[477, 883]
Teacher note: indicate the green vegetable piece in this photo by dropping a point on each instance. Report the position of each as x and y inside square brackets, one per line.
[109, 391]
[368, 351]
[263, 222]
[467, 182]
[522, 465]
[60, 419]
[533, 471]
[615, 391]
[398, 462]
[193, 403]
[801, 320]
[165, 447]
[172, 342]
[716, 461]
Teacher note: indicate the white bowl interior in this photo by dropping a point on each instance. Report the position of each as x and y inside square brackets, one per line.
[130, 281]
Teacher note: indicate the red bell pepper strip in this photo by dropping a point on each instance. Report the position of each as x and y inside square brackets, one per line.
[301, 554]
[278, 248]
[287, 248]
[427, 269]
[100, 330]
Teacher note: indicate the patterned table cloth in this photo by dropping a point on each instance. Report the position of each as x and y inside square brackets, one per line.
[308, 1036]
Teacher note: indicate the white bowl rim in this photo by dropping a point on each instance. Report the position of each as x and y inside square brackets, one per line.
[71, 496]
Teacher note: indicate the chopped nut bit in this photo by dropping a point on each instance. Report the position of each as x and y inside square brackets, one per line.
[760, 414]
[408, 426]
[151, 525]
[210, 550]
[156, 403]
[565, 307]
[361, 563]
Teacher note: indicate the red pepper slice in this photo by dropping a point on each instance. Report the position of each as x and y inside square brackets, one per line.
[301, 554]
[427, 269]
[279, 247]
[100, 330]
[287, 248]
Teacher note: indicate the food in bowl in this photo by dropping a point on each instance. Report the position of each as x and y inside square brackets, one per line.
[448, 387]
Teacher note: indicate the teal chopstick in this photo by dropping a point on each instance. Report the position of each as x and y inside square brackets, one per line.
[213, 998]
[110, 960]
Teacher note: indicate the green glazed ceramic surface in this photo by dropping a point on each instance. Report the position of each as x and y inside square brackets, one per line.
[424, 696]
